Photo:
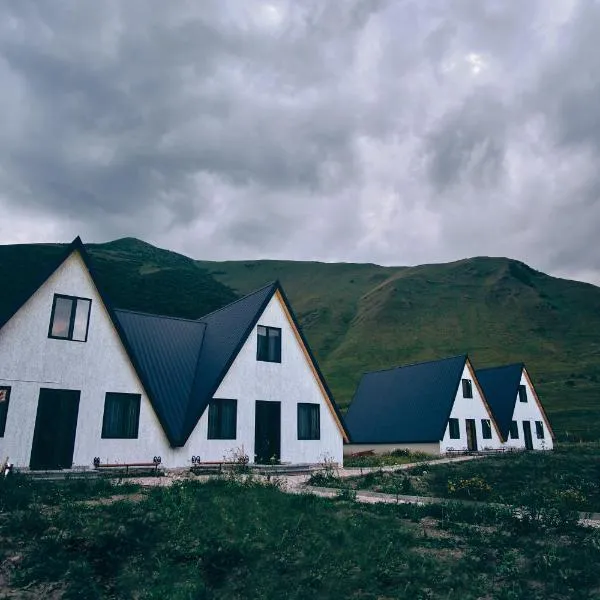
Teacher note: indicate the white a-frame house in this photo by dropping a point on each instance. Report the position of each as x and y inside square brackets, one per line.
[80, 380]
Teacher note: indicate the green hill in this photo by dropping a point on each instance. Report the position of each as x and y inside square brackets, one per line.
[361, 317]
[134, 275]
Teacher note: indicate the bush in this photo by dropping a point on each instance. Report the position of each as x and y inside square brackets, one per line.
[474, 488]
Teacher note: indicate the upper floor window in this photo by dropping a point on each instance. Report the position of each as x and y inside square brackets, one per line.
[454, 428]
[539, 430]
[486, 429]
[522, 393]
[222, 419]
[467, 388]
[514, 430]
[4, 398]
[309, 421]
[269, 344]
[70, 318]
[121, 416]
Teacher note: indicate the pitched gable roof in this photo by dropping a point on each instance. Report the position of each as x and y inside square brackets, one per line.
[180, 362]
[409, 404]
[500, 386]
[35, 267]
[164, 351]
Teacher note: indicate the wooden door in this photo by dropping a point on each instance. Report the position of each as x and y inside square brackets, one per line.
[527, 435]
[55, 427]
[267, 432]
[471, 435]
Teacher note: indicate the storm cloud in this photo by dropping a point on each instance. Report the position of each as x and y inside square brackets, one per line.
[393, 131]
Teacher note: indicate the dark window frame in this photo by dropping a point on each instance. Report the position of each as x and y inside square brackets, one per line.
[73, 299]
[261, 356]
[467, 388]
[522, 393]
[313, 434]
[486, 429]
[119, 435]
[216, 429]
[4, 409]
[454, 429]
[539, 430]
[514, 430]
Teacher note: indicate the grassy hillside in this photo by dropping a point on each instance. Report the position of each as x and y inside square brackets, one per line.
[360, 317]
[134, 275]
[363, 317]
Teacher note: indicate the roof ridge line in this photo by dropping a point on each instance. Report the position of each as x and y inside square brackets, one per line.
[147, 314]
[424, 362]
[516, 364]
[264, 287]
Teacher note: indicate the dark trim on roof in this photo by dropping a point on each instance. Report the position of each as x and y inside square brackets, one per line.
[416, 364]
[314, 360]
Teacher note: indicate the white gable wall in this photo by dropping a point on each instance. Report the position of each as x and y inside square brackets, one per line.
[30, 360]
[288, 382]
[529, 411]
[469, 408]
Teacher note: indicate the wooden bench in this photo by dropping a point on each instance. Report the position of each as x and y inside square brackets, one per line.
[154, 465]
[362, 453]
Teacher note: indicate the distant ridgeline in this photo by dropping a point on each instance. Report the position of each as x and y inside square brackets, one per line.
[362, 317]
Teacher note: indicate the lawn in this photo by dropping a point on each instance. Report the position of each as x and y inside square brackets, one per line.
[566, 478]
[229, 539]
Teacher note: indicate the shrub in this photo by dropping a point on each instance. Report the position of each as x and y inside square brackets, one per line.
[473, 488]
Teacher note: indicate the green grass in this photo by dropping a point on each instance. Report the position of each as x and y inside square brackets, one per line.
[224, 539]
[398, 457]
[567, 478]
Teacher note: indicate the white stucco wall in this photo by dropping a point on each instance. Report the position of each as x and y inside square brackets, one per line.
[29, 360]
[529, 411]
[469, 408]
[288, 382]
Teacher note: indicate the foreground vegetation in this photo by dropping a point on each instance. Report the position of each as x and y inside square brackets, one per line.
[234, 539]
[568, 478]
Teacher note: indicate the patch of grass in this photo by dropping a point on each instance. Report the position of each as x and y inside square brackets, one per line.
[225, 539]
[397, 457]
[568, 478]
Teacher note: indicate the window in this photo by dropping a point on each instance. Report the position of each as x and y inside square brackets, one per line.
[539, 430]
[309, 421]
[467, 386]
[269, 344]
[522, 393]
[70, 318]
[486, 429]
[222, 419]
[454, 429]
[514, 430]
[121, 416]
[4, 398]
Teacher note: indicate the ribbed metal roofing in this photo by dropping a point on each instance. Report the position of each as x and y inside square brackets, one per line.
[500, 387]
[409, 404]
[182, 362]
[166, 352]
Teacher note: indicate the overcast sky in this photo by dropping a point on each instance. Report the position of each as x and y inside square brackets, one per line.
[397, 132]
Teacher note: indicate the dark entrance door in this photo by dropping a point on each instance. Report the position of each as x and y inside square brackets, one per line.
[527, 434]
[267, 432]
[471, 435]
[55, 425]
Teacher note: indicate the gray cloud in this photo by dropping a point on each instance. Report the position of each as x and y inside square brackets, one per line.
[393, 131]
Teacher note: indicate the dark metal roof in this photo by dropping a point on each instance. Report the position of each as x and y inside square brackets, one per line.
[409, 404]
[166, 351]
[500, 387]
